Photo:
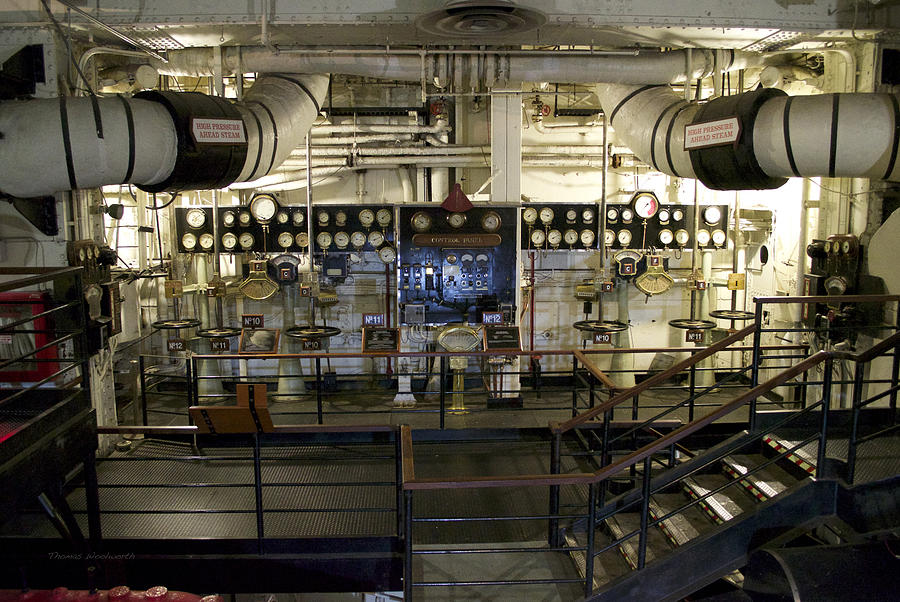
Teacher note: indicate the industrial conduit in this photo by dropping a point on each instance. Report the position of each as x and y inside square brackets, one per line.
[851, 135]
[66, 143]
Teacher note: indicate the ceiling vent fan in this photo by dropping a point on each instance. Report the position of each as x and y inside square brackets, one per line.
[471, 19]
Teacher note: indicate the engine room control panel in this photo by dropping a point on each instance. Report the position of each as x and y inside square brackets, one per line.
[455, 265]
[194, 227]
[644, 223]
[351, 228]
[560, 226]
[277, 229]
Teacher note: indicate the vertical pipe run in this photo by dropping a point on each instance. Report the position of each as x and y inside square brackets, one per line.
[695, 246]
[309, 214]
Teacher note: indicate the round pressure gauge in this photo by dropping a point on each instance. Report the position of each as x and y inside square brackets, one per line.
[645, 205]
[244, 218]
[387, 254]
[664, 216]
[666, 237]
[587, 215]
[712, 215]
[587, 237]
[207, 241]
[827, 246]
[323, 240]
[546, 215]
[627, 215]
[529, 215]
[376, 238]
[82, 254]
[195, 218]
[718, 237]
[845, 246]
[282, 217]
[340, 218]
[263, 208]
[246, 240]
[302, 239]
[703, 237]
[323, 218]
[624, 237]
[554, 237]
[297, 218]
[228, 219]
[571, 215]
[420, 221]
[612, 214]
[538, 237]
[609, 237]
[285, 239]
[358, 239]
[678, 215]
[570, 237]
[682, 237]
[456, 220]
[341, 240]
[491, 221]
[229, 240]
[383, 217]
[189, 241]
[366, 218]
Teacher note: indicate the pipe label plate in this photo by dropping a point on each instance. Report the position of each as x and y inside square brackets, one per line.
[720, 132]
[218, 131]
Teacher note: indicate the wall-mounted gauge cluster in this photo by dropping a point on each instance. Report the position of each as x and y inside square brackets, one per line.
[559, 226]
[194, 229]
[264, 225]
[713, 228]
[351, 228]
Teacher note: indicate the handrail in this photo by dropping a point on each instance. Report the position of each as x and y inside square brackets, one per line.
[296, 429]
[562, 427]
[827, 299]
[597, 372]
[871, 353]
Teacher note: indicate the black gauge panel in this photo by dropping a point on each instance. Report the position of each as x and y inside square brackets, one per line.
[194, 229]
[352, 228]
[284, 225]
[559, 226]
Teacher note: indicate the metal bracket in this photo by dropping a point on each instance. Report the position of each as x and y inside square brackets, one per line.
[39, 211]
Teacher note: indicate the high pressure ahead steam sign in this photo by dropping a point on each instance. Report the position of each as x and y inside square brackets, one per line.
[720, 132]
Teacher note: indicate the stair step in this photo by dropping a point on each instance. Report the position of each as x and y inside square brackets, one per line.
[802, 457]
[721, 506]
[682, 527]
[622, 524]
[763, 484]
[607, 566]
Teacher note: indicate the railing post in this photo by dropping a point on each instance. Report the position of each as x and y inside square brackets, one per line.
[605, 453]
[574, 386]
[895, 372]
[257, 475]
[854, 424]
[757, 358]
[589, 553]
[826, 406]
[443, 388]
[555, 464]
[691, 391]
[408, 551]
[143, 390]
[645, 514]
[92, 500]
[319, 390]
[398, 478]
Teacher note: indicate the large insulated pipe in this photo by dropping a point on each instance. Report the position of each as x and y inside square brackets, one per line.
[778, 136]
[159, 140]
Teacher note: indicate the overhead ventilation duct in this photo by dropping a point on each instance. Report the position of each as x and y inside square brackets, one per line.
[480, 19]
[159, 140]
[775, 136]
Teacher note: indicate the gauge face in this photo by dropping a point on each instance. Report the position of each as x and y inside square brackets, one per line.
[323, 218]
[323, 240]
[718, 237]
[467, 258]
[612, 214]
[491, 221]
[645, 205]
[456, 220]
[845, 246]
[712, 215]
[587, 216]
[376, 238]
[366, 218]
[609, 237]
[282, 217]
[664, 216]
[538, 237]
[297, 218]
[341, 240]
[228, 219]
[387, 254]
[340, 218]
[285, 239]
[263, 208]
[827, 246]
[302, 239]
[627, 215]
[189, 241]
[229, 240]
[554, 237]
[244, 218]
[81, 254]
[358, 239]
[571, 215]
[529, 215]
[703, 237]
[682, 237]
[570, 237]
[383, 217]
[420, 221]
[546, 215]
[666, 237]
[624, 237]
[587, 237]
[246, 240]
[207, 241]
[195, 218]
[678, 215]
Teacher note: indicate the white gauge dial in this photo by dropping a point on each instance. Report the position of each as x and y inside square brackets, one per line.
[285, 239]
[624, 237]
[529, 215]
[263, 208]
[538, 237]
[376, 238]
[546, 215]
[827, 246]
[323, 218]
[609, 237]
[282, 217]
[612, 214]
[678, 215]
[302, 239]
[491, 221]
[383, 217]
[229, 240]
[587, 215]
[845, 246]
[82, 254]
[571, 215]
[207, 241]
[456, 220]
[297, 218]
[664, 216]
[712, 215]
[666, 237]
[387, 254]
[554, 237]
[645, 205]
[340, 218]
[570, 237]
[323, 240]
[358, 239]
[246, 240]
[718, 237]
[627, 215]
[244, 218]
[366, 218]
[703, 237]
[682, 237]
[189, 241]
[195, 218]
[228, 219]
[587, 237]
[341, 240]
[421, 221]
